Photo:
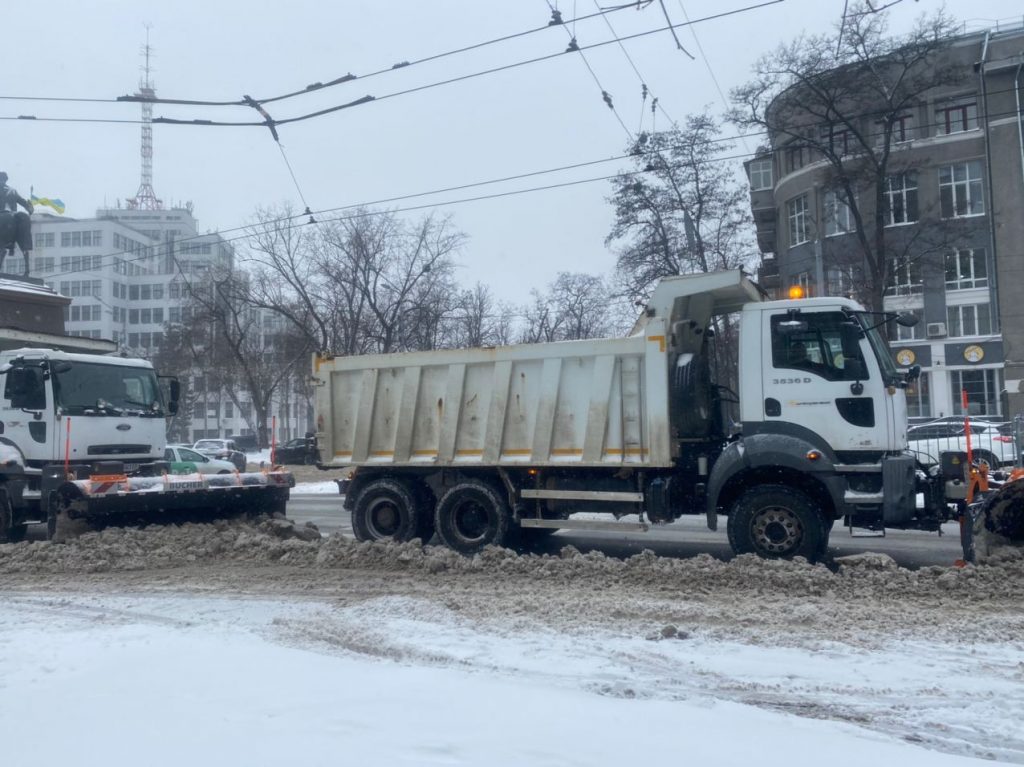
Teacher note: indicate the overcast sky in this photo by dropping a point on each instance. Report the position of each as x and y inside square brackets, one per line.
[534, 117]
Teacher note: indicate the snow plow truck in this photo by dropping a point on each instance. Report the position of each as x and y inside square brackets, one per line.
[494, 445]
[82, 440]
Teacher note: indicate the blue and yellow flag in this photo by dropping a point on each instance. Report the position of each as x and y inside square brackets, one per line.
[56, 203]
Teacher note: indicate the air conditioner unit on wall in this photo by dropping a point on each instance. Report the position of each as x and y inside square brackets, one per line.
[936, 329]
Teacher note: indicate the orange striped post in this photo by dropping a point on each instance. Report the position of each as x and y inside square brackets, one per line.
[273, 440]
[67, 450]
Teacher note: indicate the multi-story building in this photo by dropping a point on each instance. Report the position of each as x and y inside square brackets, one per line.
[128, 273]
[955, 217]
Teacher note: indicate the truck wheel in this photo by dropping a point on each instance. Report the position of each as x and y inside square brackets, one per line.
[386, 509]
[776, 522]
[472, 515]
[8, 530]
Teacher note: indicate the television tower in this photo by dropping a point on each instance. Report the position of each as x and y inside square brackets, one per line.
[145, 198]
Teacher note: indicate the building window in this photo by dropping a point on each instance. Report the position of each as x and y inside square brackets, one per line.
[904, 278]
[229, 410]
[799, 228]
[796, 157]
[838, 216]
[918, 397]
[960, 191]
[966, 269]
[902, 129]
[956, 118]
[174, 313]
[158, 315]
[982, 387]
[968, 320]
[913, 333]
[43, 240]
[760, 174]
[133, 317]
[901, 199]
[836, 140]
[802, 281]
[839, 282]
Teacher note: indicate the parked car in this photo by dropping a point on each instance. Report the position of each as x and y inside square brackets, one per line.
[224, 449]
[297, 451]
[185, 460]
[991, 442]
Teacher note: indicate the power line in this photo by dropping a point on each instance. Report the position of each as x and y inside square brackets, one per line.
[636, 70]
[461, 78]
[400, 65]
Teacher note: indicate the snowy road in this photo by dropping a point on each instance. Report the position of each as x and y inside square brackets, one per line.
[231, 644]
[686, 538]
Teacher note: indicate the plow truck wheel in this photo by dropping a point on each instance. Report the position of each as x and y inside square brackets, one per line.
[386, 509]
[776, 522]
[472, 515]
[9, 532]
[62, 524]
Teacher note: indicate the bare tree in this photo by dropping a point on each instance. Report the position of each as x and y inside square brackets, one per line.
[845, 98]
[481, 320]
[682, 210]
[574, 306]
[370, 282]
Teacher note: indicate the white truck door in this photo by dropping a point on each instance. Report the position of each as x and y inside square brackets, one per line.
[816, 379]
[26, 412]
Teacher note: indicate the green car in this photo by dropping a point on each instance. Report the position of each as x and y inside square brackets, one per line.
[185, 460]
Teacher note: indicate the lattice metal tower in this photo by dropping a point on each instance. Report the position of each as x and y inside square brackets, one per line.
[145, 198]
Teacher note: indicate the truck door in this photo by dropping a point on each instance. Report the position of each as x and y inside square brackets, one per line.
[26, 411]
[820, 374]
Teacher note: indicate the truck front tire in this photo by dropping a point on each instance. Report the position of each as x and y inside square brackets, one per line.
[386, 509]
[472, 515]
[9, 532]
[777, 522]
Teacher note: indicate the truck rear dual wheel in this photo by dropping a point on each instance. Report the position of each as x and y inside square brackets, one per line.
[390, 509]
[471, 516]
[777, 522]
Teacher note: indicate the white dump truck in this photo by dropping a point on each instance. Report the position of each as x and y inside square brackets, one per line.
[82, 440]
[483, 446]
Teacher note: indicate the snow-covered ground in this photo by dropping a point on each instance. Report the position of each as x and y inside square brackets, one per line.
[169, 680]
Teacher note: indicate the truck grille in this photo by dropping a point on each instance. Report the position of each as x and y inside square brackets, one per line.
[118, 449]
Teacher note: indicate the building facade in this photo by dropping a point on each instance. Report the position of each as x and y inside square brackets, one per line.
[955, 214]
[127, 272]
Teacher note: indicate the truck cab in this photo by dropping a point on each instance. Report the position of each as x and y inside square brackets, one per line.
[83, 408]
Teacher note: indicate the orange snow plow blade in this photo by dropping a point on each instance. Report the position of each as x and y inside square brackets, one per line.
[115, 499]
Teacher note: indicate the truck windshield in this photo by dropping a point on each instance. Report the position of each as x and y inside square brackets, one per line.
[86, 388]
[890, 373]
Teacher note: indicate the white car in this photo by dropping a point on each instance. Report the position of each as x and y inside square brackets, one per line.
[185, 460]
[990, 442]
[222, 449]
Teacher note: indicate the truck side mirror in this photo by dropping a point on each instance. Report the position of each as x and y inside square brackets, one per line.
[906, 319]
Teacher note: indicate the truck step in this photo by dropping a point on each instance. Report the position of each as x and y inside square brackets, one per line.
[583, 495]
[585, 524]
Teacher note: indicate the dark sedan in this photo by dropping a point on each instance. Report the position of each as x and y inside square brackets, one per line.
[297, 451]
